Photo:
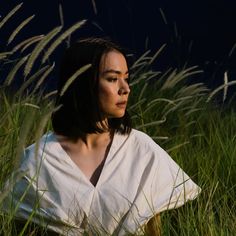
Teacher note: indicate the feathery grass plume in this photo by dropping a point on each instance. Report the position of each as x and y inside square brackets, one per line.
[146, 43]
[138, 103]
[31, 79]
[157, 104]
[43, 77]
[52, 93]
[196, 135]
[157, 54]
[184, 98]
[163, 16]
[212, 192]
[213, 142]
[141, 71]
[61, 15]
[176, 31]
[143, 76]
[153, 75]
[194, 89]
[39, 47]
[6, 109]
[35, 40]
[193, 136]
[190, 123]
[43, 125]
[193, 110]
[190, 106]
[157, 122]
[142, 59]
[31, 105]
[73, 77]
[14, 70]
[19, 28]
[173, 108]
[232, 50]
[94, 7]
[24, 130]
[160, 100]
[215, 91]
[160, 137]
[177, 146]
[27, 42]
[62, 37]
[154, 103]
[10, 14]
[175, 77]
[143, 90]
[226, 87]
[4, 55]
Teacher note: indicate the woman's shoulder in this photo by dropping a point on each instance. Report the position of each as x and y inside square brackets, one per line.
[42, 143]
[142, 143]
[38, 148]
[140, 135]
[143, 139]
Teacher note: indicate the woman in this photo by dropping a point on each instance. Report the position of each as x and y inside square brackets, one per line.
[94, 173]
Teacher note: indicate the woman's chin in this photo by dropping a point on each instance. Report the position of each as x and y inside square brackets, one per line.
[120, 115]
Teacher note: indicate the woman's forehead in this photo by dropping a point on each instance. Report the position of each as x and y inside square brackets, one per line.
[113, 62]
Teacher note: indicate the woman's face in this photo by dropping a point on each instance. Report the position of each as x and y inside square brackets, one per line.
[113, 86]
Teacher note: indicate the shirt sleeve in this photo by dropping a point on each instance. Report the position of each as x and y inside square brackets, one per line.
[163, 186]
[171, 186]
[28, 199]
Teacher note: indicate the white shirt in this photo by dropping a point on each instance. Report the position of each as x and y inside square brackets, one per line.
[138, 180]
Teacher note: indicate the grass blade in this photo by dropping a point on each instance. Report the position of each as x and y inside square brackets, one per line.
[10, 14]
[19, 28]
[39, 47]
[44, 76]
[3, 55]
[226, 87]
[213, 93]
[156, 54]
[61, 38]
[13, 72]
[31, 79]
[74, 77]
[27, 41]
[157, 122]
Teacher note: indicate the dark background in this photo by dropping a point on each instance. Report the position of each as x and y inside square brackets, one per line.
[199, 32]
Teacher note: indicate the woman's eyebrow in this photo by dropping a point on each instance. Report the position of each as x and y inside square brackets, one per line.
[114, 71]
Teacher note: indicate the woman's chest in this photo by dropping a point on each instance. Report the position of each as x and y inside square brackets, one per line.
[89, 162]
[90, 165]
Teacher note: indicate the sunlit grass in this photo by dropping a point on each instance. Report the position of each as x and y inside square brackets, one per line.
[200, 136]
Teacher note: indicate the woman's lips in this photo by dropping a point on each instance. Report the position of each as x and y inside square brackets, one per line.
[121, 104]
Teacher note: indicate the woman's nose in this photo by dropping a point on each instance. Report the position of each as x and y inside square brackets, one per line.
[124, 88]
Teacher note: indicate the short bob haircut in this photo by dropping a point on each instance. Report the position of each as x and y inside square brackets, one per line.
[78, 111]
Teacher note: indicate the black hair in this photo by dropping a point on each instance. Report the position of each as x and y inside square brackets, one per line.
[78, 111]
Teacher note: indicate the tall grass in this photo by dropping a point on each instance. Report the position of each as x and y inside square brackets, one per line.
[197, 134]
[210, 160]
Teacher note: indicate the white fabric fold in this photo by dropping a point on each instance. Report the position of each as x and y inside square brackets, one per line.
[138, 180]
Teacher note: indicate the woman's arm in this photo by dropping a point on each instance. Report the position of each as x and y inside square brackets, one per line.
[153, 227]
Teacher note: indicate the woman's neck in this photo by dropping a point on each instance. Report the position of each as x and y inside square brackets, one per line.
[89, 141]
[92, 141]
[88, 154]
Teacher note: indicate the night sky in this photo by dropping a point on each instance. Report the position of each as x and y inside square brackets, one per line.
[196, 32]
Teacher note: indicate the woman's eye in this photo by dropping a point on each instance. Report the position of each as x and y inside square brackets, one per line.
[112, 79]
[127, 80]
